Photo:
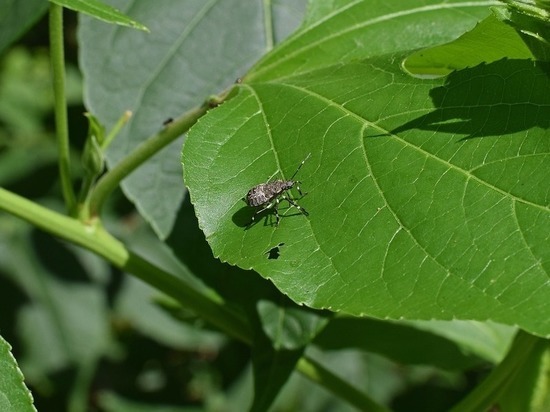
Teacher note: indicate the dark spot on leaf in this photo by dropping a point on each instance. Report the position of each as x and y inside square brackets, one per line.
[167, 121]
[275, 251]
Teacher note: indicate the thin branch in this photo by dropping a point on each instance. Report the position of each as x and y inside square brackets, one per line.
[99, 241]
[268, 25]
[60, 105]
[110, 180]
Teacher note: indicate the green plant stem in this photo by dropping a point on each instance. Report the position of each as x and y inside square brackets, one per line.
[110, 180]
[317, 373]
[268, 25]
[99, 241]
[60, 104]
[214, 310]
[488, 392]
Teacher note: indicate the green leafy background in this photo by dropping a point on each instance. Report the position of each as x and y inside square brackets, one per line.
[25, 13]
[424, 195]
[393, 159]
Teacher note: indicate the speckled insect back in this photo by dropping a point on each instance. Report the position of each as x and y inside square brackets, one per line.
[266, 192]
[269, 195]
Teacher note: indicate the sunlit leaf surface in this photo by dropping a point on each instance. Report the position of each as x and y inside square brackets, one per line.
[425, 197]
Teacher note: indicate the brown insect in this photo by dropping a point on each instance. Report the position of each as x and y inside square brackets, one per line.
[269, 195]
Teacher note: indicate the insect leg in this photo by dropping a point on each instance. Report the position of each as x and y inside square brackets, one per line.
[277, 217]
[299, 189]
[296, 205]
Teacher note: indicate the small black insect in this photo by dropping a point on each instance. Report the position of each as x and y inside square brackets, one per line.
[269, 195]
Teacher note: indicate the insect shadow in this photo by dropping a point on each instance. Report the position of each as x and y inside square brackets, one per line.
[243, 216]
[248, 216]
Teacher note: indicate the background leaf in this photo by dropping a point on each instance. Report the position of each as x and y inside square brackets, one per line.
[490, 41]
[272, 369]
[167, 72]
[289, 327]
[63, 323]
[423, 195]
[100, 11]
[451, 345]
[14, 394]
[16, 17]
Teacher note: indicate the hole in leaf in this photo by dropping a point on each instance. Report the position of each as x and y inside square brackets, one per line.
[274, 252]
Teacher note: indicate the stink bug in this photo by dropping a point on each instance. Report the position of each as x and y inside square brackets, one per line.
[269, 195]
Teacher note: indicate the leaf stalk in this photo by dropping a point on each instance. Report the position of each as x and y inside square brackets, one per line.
[60, 104]
[110, 180]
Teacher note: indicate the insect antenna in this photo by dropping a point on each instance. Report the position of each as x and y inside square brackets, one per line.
[299, 167]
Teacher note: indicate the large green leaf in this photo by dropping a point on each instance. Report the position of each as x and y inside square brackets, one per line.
[195, 48]
[424, 196]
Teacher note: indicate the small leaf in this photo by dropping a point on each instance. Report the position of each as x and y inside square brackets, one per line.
[92, 157]
[289, 327]
[14, 395]
[100, 11]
